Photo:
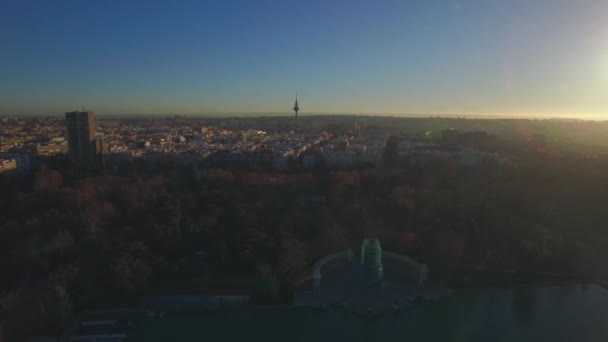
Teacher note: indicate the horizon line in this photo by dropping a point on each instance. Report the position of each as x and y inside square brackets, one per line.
[588, 117]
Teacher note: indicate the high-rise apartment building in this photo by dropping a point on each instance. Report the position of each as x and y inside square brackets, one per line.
[84, 147]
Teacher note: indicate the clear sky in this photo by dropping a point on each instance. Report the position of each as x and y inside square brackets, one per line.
[483, 57]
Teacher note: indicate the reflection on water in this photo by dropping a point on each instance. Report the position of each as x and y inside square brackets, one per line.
[550, 313]
[523, 306]
[562, 293]
[369, 330]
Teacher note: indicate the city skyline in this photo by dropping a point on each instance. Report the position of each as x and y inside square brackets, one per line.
[470, 58]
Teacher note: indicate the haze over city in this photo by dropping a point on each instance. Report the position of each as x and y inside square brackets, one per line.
[303, 170]
[487, 58]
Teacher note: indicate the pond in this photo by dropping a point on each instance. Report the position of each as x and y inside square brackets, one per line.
[577, 312]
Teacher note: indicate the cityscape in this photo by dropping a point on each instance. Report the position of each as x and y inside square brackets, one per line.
[303, 171]
[266, 143]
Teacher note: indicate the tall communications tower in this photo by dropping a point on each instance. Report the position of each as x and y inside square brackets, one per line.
[296, 109]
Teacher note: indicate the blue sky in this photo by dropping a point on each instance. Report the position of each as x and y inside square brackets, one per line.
[483, 57]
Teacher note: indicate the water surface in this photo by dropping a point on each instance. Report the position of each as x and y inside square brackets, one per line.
[548, 313]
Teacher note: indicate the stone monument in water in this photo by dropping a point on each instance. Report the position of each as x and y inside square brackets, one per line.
[371, 260]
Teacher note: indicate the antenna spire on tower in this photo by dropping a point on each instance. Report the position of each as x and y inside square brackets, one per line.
[296, 108]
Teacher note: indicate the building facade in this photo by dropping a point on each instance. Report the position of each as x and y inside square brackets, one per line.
[7, 165]
[84, 146]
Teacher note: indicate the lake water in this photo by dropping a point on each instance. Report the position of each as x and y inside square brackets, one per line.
[548, 313]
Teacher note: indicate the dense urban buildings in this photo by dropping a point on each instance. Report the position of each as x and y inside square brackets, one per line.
[271, 143]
